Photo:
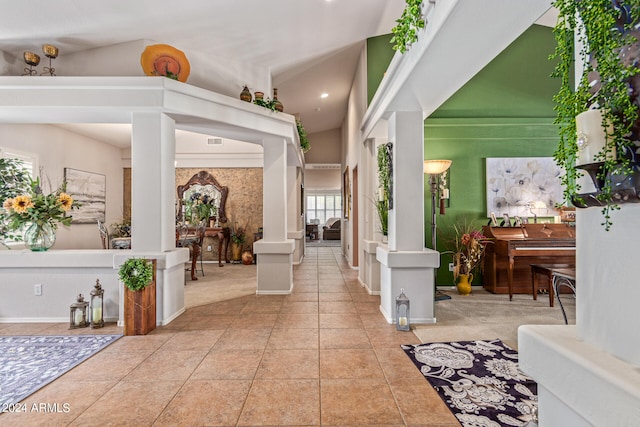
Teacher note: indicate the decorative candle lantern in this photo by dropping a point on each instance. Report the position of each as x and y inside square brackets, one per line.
[402, 312]
[97, 299]
[79, 313]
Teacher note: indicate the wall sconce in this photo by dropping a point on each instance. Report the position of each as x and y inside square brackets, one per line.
[79, 313]
[97, 300]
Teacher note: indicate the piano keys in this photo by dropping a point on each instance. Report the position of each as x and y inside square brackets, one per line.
[507, 261]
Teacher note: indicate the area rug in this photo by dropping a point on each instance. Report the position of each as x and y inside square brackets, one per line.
[479, 380]
[28, 363]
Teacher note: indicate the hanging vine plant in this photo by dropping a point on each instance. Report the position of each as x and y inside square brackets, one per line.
[405, 33]
[609, 82]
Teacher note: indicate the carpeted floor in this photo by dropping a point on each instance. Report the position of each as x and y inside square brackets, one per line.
[479, 381]
[486, 316]
[28, 363]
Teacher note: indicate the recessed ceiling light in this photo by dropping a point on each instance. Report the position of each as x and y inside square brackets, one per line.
[324, 95]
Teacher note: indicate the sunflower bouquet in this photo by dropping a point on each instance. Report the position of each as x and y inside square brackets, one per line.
[35, 207]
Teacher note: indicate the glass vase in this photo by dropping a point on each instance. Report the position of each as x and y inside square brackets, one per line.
[39, 237]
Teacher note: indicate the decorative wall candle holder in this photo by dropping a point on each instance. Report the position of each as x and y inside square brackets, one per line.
[50, 52]
[32, 60]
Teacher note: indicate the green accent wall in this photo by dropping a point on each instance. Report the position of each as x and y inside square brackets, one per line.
[506, 110]
[379, 55]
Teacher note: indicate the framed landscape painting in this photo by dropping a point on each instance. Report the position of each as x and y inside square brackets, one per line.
[90, 190]
[523, 186]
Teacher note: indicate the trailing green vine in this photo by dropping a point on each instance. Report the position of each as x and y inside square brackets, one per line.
[603, 28]
[384, 180]
[405, 33]
[302, 135]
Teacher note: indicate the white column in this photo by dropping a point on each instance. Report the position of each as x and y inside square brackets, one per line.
[153, 182]
[405, 263]
[294, 230]
[153, 187]
[369, 272]
[275, 271]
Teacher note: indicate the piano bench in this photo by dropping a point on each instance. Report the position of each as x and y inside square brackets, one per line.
[547, 271]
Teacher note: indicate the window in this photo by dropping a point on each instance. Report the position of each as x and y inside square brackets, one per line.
[321, 207]
[29, 160]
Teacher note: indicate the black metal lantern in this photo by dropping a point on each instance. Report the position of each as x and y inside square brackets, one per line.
[402, 312]
[79, 313]
[97, 300]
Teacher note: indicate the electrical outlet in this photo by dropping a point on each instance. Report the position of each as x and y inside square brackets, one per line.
[450, 266]
[37, 289]
[209, 248]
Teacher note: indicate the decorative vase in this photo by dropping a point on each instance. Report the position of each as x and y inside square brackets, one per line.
[236, 251]
[259, 95]
[39, 237]
[247, 258]
[278, 104]
[245, 95]
[464, 284]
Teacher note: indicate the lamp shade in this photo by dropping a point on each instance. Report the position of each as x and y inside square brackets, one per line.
[436, 167]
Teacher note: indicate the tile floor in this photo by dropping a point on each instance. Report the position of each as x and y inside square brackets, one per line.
[323, 355]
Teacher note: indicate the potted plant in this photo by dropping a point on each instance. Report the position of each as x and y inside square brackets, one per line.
[238, 239]
[139, 278]
[384, 190]
[468, 250]
[608, 83]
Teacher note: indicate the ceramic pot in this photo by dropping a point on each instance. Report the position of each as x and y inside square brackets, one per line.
[236, 252]
[247, 258]
[464, 284]
[39, 237]
[245, 95]
[278, 104]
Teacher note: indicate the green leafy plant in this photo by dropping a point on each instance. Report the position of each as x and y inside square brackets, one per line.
[603, 29]
[136, 273]
[302, 135]
[14, 180]
[384, 180]
[405, 33]
[266, 103]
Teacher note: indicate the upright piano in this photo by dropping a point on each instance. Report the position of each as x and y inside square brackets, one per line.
[507, 261]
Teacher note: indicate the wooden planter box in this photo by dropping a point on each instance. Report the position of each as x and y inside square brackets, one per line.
[140, 308]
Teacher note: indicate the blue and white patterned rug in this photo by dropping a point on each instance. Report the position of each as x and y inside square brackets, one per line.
[28, 363]
[479, 380]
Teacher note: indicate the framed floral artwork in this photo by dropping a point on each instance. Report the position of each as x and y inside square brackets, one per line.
[523, 186]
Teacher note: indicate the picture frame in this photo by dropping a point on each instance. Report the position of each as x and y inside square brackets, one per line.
[346, 193]
[89, 190]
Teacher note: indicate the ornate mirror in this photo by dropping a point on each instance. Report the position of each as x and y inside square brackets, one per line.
[205, 187]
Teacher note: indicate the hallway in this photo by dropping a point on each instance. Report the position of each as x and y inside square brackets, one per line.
[323, 355]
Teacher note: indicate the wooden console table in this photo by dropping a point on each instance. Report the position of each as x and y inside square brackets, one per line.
[224, 235]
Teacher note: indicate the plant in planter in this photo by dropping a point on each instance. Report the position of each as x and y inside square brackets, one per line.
[302, 135]
[139, 278]
[610, 82]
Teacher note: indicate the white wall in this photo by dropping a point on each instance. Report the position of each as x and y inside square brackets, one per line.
[326, 147]
[57, 149]
[356, 108]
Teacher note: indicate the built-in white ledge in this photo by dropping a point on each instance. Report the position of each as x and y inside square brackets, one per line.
[63, 274]
[579, 384]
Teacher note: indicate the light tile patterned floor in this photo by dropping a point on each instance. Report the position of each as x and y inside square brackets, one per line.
[321, 356]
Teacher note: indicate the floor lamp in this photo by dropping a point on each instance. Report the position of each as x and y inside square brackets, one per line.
[434, 168]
